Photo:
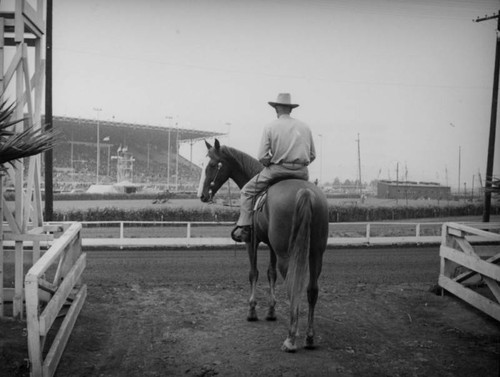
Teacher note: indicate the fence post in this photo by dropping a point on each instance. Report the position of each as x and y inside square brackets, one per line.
[121, 230]
[417, 231]
[33, 325]
[368, 232]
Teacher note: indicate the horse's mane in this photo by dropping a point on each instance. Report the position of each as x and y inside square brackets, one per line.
[247, 163]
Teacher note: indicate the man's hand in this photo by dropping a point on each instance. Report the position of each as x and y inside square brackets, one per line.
[266, 161]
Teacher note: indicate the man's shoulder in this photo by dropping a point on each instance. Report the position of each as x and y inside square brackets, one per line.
[286, 121]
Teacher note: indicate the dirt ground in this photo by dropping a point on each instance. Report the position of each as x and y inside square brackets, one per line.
[183, 313]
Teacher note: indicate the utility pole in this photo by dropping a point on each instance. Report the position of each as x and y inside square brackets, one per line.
[359, 166]
[397, 182]
[493, 123]
[169, 120]
[48, 156]
[459, 168]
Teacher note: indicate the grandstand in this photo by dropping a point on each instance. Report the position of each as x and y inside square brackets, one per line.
[149, 153]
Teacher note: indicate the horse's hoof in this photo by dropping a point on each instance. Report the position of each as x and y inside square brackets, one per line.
[271, 316]
[252, 317]
[288, 346]
[309, 343]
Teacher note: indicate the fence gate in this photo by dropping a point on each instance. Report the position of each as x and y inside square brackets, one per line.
[461, 261]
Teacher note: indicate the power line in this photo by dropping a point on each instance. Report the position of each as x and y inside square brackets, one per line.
[400, 8]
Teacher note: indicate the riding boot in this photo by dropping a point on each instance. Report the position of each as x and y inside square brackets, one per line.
[242, 233]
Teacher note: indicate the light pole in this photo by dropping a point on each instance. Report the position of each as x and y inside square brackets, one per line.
[228, 125]
[321, 159]
[169, 119]
[98, 110]
[459, 168]
[107, 139]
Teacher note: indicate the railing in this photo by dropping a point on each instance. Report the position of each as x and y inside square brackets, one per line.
[196, 233]
[460, 262]
[64, 263]
[125, 234]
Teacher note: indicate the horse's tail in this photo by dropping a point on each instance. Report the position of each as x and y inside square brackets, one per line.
[298, 247]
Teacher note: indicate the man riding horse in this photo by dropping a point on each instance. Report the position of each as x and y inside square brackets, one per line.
[286, 149]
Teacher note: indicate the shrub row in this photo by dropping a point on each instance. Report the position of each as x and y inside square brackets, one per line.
[359, 213]
[217, 213]
[10, 196]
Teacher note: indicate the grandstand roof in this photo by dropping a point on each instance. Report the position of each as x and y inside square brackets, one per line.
[182, 134]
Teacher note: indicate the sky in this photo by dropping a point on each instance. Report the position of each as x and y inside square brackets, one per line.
[412, 78]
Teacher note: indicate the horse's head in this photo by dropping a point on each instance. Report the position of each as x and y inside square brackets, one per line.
[215, 174]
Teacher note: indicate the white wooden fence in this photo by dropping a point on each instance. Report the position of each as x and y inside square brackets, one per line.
[196, 233]
[458, 254]
[64, 262]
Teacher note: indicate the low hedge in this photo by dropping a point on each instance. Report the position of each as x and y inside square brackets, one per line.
[218, 213]
[10, 196]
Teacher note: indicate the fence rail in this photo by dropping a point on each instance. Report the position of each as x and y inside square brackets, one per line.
[198, 233]
[460, 262]
[136, 234]
[63, 264]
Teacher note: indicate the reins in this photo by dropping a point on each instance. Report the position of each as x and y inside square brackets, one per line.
[212, 184]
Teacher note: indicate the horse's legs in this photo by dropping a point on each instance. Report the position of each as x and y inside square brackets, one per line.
[312, 298]
[289, 344]
[271, 277]
[253, 277]
[293, 329]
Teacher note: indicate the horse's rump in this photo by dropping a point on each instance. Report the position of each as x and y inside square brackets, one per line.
[279, 209]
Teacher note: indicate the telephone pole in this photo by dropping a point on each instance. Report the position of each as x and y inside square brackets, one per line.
[493, 123]
[48, 156]
[359, 166]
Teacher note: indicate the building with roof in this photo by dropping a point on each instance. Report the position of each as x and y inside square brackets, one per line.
[151, 153]
[412, 190]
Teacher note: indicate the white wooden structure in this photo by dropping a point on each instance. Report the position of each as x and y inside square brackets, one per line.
[64, 262]
[21, 46]
[22, 42]
[458, 254]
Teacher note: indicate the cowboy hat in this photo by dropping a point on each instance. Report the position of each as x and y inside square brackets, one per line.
[284, 99]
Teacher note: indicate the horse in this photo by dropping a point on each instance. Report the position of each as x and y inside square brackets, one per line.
[293, 223]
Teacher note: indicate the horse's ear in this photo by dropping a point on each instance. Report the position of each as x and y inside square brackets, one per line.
[217, 145]
[208, 145]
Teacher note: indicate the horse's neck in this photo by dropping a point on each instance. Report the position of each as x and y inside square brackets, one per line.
[245, 167]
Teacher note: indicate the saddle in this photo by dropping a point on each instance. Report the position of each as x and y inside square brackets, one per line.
[261, 198]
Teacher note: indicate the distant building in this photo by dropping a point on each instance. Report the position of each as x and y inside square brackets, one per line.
[136, 153]
[412, 190]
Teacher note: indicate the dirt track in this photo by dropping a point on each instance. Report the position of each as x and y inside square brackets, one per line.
[183, 313]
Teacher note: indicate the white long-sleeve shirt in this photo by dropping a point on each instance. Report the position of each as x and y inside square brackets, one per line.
[287, 140]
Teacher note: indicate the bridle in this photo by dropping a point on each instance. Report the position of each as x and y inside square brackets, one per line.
[212, 184]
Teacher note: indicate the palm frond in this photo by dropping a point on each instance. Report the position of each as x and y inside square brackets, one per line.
[6, 112]
[16, 145]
